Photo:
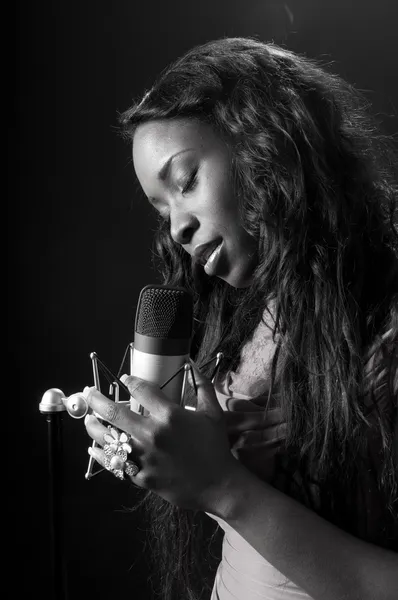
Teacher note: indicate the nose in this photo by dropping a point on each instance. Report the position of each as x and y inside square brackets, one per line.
[182, 226]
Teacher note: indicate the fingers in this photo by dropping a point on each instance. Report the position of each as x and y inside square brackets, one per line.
[239, 421]
[129, 470]
[148, 394]
[112, 450]
[95, 429]
[115, 413]
[207, 398]
[97, 455]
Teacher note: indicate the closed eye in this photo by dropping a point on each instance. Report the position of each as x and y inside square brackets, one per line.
[191, 183]
[188, 187]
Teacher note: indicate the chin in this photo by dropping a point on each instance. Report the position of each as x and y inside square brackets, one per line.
[238, 281]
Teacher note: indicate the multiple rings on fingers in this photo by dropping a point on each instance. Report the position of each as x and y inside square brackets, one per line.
[116, 449]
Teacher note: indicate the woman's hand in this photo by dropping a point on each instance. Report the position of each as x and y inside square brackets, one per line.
[183, 455]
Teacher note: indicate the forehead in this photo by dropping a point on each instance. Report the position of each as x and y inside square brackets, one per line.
[156, 141]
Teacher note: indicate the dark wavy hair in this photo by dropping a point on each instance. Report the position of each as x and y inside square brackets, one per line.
[316, 186]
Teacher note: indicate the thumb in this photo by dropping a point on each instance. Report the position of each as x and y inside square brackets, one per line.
[206, 396]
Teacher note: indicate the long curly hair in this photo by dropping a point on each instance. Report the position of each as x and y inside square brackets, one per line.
[315, 183]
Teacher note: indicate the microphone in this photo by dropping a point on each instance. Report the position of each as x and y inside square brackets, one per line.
[161, 348]
[162, 339]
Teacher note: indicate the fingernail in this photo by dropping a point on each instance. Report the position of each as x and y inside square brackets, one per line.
[94, 453]
[86, 419]
[87, 392]
[123, 378]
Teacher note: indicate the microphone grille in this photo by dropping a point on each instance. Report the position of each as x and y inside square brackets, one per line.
[164, 312]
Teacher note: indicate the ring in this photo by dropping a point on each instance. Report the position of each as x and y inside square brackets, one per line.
[131, 468]
[116, 450]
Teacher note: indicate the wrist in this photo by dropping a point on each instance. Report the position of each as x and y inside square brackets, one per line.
[231, 493]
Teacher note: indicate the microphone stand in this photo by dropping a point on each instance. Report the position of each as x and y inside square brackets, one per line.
[54, 404]
[53, 407]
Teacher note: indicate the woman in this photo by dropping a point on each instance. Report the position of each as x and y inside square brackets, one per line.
[277, 210]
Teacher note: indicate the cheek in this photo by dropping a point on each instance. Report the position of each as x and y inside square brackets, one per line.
[222, 202]
[218, 189]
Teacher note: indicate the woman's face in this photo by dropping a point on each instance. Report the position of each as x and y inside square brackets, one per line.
[184, 169]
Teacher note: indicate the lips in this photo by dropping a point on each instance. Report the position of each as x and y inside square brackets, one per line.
[202, 252]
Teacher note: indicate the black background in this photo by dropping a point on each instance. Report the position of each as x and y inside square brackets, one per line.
[80, 235]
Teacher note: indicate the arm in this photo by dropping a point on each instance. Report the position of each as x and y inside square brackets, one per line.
[185, 457]
[325, 561]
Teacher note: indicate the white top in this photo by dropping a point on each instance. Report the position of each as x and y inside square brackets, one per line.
[243, 574]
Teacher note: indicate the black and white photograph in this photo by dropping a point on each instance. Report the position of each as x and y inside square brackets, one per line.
[202, 396]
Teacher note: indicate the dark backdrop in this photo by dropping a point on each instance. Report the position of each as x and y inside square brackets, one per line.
[80, 236]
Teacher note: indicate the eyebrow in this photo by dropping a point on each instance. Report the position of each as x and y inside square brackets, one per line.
[165, 169]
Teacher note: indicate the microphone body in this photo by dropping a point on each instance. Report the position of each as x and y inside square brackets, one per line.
[162, 339]
[158, 369]
[161, 347]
